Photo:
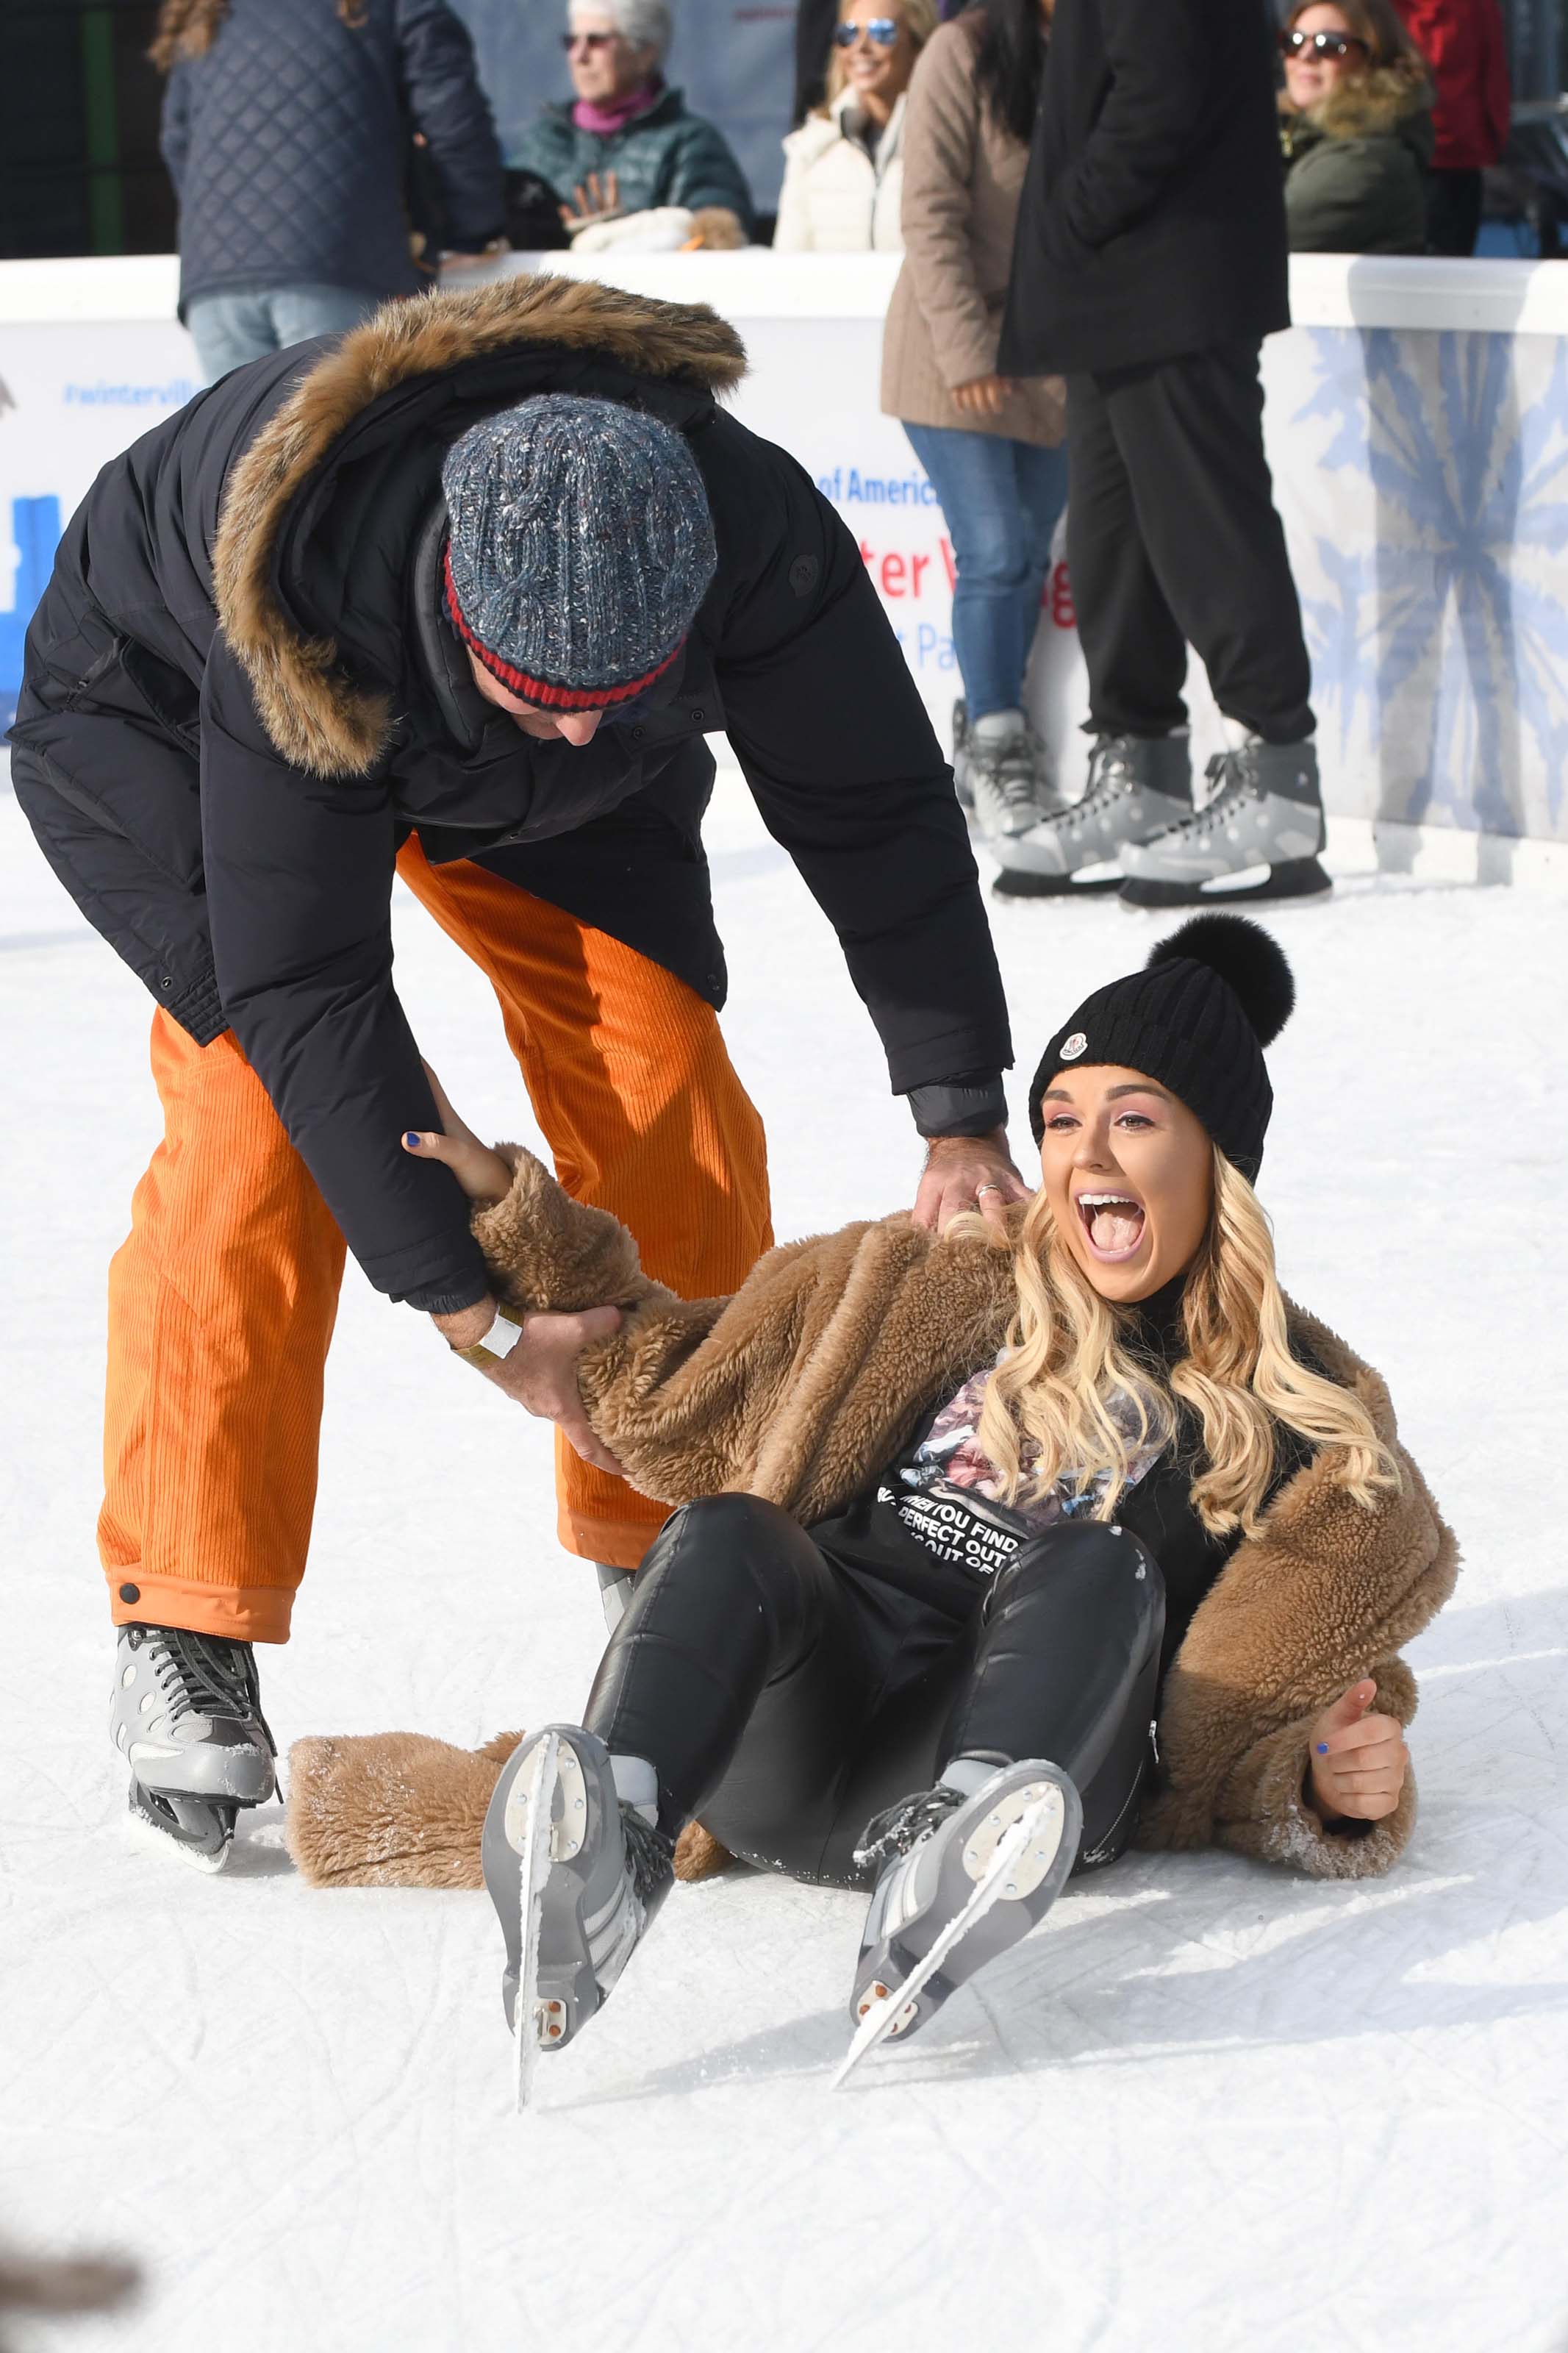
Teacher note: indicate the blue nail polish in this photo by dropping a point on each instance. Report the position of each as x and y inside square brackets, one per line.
[412, 1136]
[1322, 1748]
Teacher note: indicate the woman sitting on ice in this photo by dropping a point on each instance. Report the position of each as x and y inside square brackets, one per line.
[995, 1549]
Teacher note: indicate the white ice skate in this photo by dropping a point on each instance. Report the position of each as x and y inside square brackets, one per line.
[1257, 837]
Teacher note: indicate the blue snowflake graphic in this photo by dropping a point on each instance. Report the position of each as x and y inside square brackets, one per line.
[1446, 637]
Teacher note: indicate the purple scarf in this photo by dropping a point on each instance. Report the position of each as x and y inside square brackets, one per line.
[607, 120]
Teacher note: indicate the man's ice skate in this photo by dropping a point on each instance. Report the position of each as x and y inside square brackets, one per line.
[1138, 787]
[965, 1872]
[1006, 763]
[960, 784]
[576, 1869]
[1259, 836]
[186, 1714]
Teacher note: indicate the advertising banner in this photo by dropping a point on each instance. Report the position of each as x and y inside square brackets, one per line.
[1422, 475]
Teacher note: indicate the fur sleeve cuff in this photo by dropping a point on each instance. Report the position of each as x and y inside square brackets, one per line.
[390, 1809]
[1263, 1810]
[544, 1250]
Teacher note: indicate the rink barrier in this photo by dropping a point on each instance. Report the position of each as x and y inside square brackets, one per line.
[1417, 422]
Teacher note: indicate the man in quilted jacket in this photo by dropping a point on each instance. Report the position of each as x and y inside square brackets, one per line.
[288, 130]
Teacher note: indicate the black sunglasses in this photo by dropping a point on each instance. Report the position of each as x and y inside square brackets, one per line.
[882, 30]
[1322, 45]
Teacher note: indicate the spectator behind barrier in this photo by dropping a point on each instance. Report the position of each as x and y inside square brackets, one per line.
[629, 165]
[1355, 124]
[1462, 42]
[287, 131]
[991, 447]
[844, 175]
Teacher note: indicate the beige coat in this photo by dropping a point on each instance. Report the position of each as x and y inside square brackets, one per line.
[836, 198]
[798, 1390]
[963, 180]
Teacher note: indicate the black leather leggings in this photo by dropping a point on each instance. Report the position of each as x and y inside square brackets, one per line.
[786, 1700]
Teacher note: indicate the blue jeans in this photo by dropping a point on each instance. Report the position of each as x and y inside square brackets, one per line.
[229, 329]
[1001, 500]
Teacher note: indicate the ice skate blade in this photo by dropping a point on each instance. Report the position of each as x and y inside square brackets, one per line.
[1297, 877]
[203, 1846]
[532, 1827]
[1012, 883]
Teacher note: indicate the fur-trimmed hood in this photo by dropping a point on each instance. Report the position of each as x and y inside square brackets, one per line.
[318, 716]
[1384, 103]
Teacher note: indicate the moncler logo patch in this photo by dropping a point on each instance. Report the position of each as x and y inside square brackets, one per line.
[1074, 1045]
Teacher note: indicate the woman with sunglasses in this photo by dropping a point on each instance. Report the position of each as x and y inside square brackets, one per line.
[1355, 122]
[844, 173]
[627, 143]
[993, 448]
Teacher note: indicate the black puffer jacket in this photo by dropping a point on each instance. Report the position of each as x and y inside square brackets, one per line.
[1153, 222]
[241, 722]
[289, 145]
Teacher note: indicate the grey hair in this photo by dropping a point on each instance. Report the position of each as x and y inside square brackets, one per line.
[645, 24]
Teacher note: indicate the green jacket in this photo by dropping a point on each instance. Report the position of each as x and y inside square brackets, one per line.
[1355, 168]
[663, 156]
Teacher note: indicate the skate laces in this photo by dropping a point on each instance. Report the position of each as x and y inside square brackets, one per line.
[1227, 775]
[650, 1853]
[202, 1675]
[1008, 768]
[903, 1825]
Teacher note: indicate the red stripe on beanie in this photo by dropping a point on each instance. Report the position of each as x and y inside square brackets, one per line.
[538, 690]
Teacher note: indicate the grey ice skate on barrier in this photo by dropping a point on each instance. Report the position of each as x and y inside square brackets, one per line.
[1138, 786]
[572, 1905]
[964, 1878]
[1264, 821]
[186, 1714]
[1005, 761]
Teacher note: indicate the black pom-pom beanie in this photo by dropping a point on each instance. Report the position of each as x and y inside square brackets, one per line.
[1196, 1019]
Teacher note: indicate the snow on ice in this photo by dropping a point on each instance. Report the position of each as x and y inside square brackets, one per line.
[1208, 2104]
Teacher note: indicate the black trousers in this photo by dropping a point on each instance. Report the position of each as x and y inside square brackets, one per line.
[1453, 211]
[786, 1700]
[1174, 540]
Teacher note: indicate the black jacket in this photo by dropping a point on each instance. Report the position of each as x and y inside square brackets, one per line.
[1152, 221]
[238, 723]
[290, 145]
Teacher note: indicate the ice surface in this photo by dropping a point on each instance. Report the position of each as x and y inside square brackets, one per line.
[1206, 2106]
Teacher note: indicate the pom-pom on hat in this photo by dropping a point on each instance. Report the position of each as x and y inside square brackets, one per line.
[581, 548]
[1196, 1019]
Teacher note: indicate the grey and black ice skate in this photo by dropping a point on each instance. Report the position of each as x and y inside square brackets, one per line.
[960, 784]
[1005, 761]
[1138, 786]
[1264, 819]
[963, 1876]
[577, 1872]
[186, 1714]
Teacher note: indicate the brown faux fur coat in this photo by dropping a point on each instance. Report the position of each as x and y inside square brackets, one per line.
[798, 1390]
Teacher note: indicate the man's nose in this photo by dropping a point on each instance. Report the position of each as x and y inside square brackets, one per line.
[579, 726]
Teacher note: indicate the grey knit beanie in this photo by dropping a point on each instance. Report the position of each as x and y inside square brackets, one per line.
[581, 548]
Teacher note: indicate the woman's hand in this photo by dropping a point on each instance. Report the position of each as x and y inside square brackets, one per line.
[482, 1174]
[597, 200]
[1358, 1760]
[984, 396]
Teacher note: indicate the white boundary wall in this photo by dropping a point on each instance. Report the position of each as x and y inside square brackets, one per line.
[1417, 417]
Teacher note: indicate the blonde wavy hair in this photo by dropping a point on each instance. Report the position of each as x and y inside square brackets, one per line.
[919, 15]
[1067, 1358]
[188, 29]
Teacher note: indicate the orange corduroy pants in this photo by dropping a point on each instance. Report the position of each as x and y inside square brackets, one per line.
[222, 1299]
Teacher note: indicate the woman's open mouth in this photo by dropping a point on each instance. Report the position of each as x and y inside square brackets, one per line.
[1113, 1223]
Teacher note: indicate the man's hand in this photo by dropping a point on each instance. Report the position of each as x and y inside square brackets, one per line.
[984, 396]
[597, 200]
[1358, 1761]
[540, 1372]
[967, 1172]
